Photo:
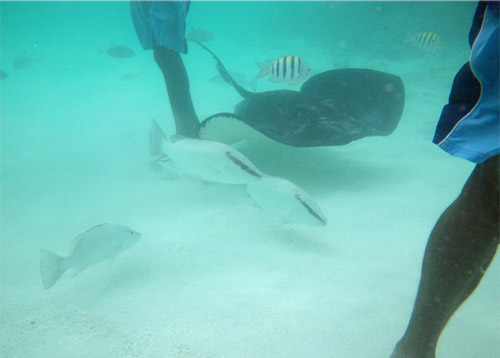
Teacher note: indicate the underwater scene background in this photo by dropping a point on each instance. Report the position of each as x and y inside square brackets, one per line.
[213, 275]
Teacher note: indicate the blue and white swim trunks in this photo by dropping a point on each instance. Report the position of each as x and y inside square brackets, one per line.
[469, 126]
[160, 23]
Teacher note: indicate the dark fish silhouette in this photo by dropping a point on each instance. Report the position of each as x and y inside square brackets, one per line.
[119, 51]
[3, 75]
[23, 62]
[128, 76]
[332, 108]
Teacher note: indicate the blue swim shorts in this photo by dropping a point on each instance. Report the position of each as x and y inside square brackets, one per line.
[469, 126]
[160, 23]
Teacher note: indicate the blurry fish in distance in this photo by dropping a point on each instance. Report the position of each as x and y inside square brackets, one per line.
[427, 41]
[199, 35]
[202, 159]
[118, 51]
[23, 62]
[286, 200]
[129, 76]
[3, 75]
[290, 70]
[95, 245]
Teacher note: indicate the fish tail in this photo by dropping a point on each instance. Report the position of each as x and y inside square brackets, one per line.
[156, 140]
[264, 69]
[50, 268]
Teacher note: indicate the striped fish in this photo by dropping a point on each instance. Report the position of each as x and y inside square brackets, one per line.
[428, 41]
[290, 70]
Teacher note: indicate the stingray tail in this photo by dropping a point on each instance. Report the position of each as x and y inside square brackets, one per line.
[264, 70]
[227, 77]
[51, 269]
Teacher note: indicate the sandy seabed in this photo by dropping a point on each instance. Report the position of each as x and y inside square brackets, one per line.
[214, 276]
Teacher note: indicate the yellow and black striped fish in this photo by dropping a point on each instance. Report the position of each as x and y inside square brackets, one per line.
[290, 70]
[428, 41]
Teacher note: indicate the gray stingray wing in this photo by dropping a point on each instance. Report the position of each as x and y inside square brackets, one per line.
[332, 108]
[374, 98]
[291, 118]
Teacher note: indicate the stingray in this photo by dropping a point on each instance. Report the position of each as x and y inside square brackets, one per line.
[332, 108]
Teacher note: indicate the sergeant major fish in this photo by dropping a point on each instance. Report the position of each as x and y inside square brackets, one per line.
[427, 41]
[290, 70]
[203, 159]
[95, 245]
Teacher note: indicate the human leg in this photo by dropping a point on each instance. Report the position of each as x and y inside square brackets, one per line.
[176, 80]
[460, 248]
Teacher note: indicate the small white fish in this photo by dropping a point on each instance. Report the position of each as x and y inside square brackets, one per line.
[290, 70]
[95, 245]
[286, 200]
[199, 35]
[203, 159]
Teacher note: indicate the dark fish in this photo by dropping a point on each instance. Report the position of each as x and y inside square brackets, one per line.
[3, 75]
[23, 62]
[128, 76]
[199, 35]
[332, 108]
[119, 51]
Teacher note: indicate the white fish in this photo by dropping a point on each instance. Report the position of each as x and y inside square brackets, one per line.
[97, 244]
[290, 70]
[286, 200]
[203, 159]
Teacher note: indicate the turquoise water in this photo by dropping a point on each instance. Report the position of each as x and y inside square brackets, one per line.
[213, 275]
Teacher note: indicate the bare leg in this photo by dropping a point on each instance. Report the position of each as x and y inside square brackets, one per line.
[176, 79]
[460, 248]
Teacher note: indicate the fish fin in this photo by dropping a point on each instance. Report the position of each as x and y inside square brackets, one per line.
[165, 168]
[50, 268]
[273, 79]
[174, 138]
[156, 139]
[264, 69]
